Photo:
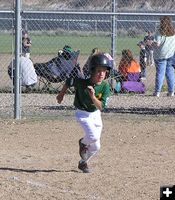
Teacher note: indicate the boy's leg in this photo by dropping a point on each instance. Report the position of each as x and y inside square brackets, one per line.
[87, 151]
[91, 151]
[92, 125]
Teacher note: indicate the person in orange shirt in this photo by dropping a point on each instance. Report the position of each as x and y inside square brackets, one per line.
[128, 64]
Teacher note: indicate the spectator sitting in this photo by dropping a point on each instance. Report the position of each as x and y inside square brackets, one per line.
[129, 70]
[128, 64]
[28, 74]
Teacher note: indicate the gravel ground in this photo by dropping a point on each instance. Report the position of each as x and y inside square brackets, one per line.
[38, 159]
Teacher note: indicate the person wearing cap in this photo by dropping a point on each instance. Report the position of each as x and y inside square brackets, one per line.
[143, 59]
[148, 40]
[85, 69]
[65, 52]
[91, 96]
[64, 55]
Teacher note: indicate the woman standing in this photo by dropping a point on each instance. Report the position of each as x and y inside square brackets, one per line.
[164, 48]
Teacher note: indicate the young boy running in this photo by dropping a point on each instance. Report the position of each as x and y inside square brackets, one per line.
[90, 98]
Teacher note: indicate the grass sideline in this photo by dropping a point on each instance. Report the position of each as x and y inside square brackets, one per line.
[50, 44]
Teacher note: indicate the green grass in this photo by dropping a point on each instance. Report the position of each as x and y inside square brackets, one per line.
[50, 44]
[6, 43]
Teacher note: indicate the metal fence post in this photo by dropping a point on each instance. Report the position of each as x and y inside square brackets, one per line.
[113, 40]
[113, 29]
[17, 102]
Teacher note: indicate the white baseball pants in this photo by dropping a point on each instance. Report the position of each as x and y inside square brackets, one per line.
[91, 123]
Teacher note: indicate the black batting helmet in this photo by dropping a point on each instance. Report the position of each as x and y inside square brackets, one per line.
[99, 60]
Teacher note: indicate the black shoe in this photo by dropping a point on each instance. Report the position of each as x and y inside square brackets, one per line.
[83, 150]
[83, 167]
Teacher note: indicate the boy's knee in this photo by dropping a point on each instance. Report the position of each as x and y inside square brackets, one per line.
[93, 139]
[94, 147]
[97, 146]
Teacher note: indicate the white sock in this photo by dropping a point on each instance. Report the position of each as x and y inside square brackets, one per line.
[81, 161]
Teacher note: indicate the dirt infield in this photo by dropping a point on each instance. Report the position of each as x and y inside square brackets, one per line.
[38, 159]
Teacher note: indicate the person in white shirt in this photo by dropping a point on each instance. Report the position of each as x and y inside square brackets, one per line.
[164, 48]
[28, 76]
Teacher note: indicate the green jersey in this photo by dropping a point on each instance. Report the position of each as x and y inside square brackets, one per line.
[82, 99]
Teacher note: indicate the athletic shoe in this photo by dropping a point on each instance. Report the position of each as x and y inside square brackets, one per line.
[83, 167]
[156, 94]
[170, 94]
[83, 150]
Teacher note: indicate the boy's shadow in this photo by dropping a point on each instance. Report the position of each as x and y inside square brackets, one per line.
[37, 170]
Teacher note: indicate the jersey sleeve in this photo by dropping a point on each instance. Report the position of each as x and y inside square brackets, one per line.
[105, 95]
[71, 82]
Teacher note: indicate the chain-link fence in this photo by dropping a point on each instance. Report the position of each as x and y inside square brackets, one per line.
[78, 27]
